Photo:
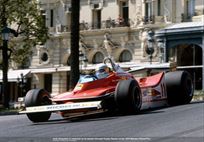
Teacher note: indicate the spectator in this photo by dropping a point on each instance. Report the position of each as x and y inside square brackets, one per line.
[120, 20]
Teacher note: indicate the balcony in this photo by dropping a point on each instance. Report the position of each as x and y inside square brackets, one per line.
[103, 25]
[153, 19]
[59, 28]
[89, 26]
[148, 19]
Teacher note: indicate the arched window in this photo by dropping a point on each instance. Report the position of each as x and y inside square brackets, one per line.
[125, 56]
[98, 58]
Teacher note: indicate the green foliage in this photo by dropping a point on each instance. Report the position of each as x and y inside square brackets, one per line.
[21, 54]
[25, 18]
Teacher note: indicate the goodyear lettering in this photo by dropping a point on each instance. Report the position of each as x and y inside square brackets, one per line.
[57, 107]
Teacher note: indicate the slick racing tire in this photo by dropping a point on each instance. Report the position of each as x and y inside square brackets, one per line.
[38, 97]
[128, 96]
[179, 86]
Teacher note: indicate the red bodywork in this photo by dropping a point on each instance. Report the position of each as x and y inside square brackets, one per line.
[150, 81]
[99, 88]
[94, 89]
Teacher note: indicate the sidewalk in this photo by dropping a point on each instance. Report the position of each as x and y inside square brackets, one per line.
[8, 111]
[198, 96]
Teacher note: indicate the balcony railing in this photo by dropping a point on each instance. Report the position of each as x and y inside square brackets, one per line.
[110, 23]
[103, 24]
[148, 19]
[59, 28]
[152, 19]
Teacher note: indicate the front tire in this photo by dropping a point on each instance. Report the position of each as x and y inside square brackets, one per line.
[38, 97]
[128, 96]
[179, 86]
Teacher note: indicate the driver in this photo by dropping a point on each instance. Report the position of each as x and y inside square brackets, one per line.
[102, 71]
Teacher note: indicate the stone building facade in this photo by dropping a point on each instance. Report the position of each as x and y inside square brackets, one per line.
[116, 28]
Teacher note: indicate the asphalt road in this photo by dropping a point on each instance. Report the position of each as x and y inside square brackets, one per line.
[179, 123]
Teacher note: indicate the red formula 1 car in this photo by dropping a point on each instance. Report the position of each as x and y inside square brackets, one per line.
[119, 91]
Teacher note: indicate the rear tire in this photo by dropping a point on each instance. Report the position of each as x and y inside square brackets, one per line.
[128, 96]
[38, 97]
[179, 87]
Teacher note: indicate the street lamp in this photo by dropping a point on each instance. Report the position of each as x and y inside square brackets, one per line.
[5, 33]
[5, 37]
[22, 82]
[150, 45]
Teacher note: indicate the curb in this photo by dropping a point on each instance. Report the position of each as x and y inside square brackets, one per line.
[9, 113]
[198, 98]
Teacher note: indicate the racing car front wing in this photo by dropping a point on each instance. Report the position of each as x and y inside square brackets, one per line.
[62, 107]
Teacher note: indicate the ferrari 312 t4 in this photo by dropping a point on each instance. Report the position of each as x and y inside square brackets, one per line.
[120, 91]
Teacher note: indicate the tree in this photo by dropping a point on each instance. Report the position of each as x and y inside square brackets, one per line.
[74, 58]
[25, 20]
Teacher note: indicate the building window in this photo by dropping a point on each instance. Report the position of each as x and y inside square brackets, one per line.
[124, 12]
[125, 56]
[96, 24]
[189, 9]
[159, 8]
[98, 58]
[43, 14]
[68, 11]
[148, 12]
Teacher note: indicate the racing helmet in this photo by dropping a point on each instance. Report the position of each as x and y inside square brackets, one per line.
[102, 71]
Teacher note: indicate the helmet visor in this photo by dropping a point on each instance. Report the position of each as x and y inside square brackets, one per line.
[101, 70]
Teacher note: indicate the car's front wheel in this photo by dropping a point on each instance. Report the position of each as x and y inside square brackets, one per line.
[37, 97]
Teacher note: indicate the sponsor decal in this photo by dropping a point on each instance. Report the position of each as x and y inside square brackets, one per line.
[78, 87]
[60, 107]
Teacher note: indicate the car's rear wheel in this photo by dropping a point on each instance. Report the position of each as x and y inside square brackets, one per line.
[128, 96]
[179, 86]
[38, 97]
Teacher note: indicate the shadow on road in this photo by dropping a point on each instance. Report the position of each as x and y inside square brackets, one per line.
[97, 117]
[107, 116]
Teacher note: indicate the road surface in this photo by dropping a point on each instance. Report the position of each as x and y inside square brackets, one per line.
[179, 123]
